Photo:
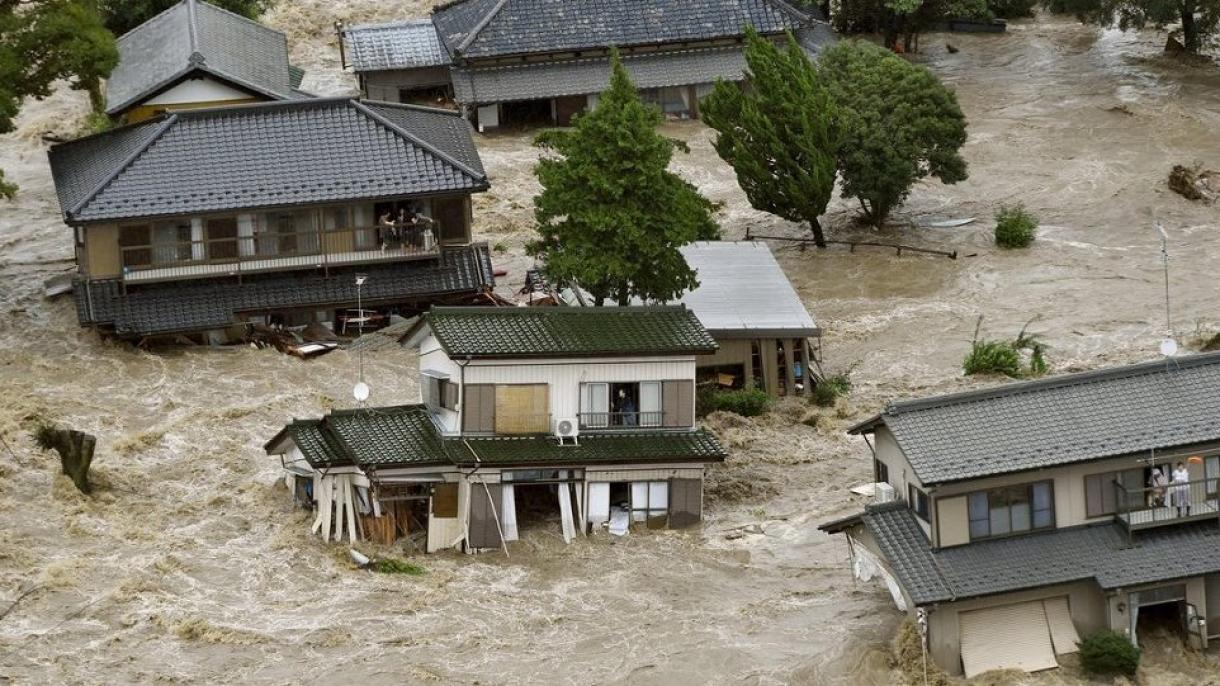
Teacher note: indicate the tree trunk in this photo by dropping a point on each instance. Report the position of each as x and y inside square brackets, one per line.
[624, 296]
[75, 454]
[1190, 30]
[819, 238]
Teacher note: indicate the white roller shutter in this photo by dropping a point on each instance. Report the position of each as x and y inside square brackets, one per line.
[1006, 637]
[1063, 631]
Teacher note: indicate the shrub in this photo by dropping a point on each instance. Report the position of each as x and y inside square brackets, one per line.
[747, 402]
[1014, 227]
[829, 389]
[1109, 653]
[992, 357]
[392, 566]
[1012, 9]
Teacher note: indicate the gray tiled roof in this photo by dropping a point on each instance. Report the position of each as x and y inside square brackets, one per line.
[487, 28]
[1098, 552]
[503, 332]
[213, 304]
[256, 156]
[399, 45]
[592, 75]
[1059, 420]
[194, 35]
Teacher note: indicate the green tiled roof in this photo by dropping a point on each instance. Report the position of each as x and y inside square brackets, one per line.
[568, 331]
[653, 446]
[316, 444]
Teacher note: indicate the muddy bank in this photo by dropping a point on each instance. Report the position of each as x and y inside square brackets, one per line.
[189, 565]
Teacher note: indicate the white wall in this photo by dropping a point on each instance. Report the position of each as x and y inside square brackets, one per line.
[198, 90]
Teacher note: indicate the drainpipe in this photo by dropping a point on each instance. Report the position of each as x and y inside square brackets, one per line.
[342, 50]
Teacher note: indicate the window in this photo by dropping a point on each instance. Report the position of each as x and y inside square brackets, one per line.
[881, 472]
[1101, 490]
[1011, 510]
[222, 238]
[171, 241]
[650, 502]
[621, 405]
[440, 392]
[917, 500]
[135, 245]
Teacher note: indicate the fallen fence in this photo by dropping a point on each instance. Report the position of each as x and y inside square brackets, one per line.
[852, 245]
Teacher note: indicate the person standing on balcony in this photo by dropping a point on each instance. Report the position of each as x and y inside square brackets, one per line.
[1179, 492]
[385, 227]
[1157, 483]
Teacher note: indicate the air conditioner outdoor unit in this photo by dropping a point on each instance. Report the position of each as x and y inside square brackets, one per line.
[566, 428]
[883, 492]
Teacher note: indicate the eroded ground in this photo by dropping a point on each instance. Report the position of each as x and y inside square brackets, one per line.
[189, 566]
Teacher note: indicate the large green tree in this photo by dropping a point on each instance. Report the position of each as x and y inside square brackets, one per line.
[1199, 19]
[899, 124]
[778, 133]
[45, 41]
[611, 217]
[124, 15]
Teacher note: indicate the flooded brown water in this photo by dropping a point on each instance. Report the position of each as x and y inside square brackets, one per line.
[189, 566]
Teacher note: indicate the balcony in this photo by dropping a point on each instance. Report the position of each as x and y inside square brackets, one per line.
[280, 251]
[1144, 508]
[617, 421]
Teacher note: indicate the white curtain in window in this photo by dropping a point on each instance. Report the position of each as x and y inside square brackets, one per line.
[639, 501]
[595, 404]
[658, 497]
[245, 232]
[197, 245]
[509, 505]
[650, 403]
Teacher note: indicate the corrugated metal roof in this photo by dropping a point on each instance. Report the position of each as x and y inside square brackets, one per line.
[743, 291]
[504, 332]
[1099, 552]
[268, 155]
[488, 28]
[399, 45]
[592, 75]
[194, 35]
[1059, 420]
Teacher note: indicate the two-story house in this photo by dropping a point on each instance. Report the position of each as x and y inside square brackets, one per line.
[581, 415]
[197, 222]
[1032, 514]
[195, 55]
[543, 61]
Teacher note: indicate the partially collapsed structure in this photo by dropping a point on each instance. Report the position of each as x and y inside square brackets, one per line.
[198, 221]
[195, 55]
[1022, 517]
[587, 414]
[512, 61]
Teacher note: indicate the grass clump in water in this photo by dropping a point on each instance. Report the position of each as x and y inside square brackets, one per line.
[747, 402]
[391, 565]
[831, 388]
[1004, 357]
[1014, 227]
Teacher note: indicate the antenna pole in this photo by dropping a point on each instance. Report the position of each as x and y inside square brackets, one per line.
[1165, 263]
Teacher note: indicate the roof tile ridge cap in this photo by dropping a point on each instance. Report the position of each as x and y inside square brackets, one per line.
[122, 166]
[242, 17]
[381, 119]
[413, 108]
[385, 25]
[193, 29]
[478, 28]
[329, 431]
[1056, 381]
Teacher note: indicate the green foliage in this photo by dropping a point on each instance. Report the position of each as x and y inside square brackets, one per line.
[1109, 653]
[830, 389]
[1011, 9]
[97, 122]
[44, 41]
[43, 435]
[391, 565]
[1199, 19]
[7, 190]
[1014, 227]
[747, 402]
[1004, 357]
[611, 216]
[122, 16]
[899, 125]
[905, 18]
[778, 133]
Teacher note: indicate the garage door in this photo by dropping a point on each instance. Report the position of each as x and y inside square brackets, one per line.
[1063, 631]
[1006, 637]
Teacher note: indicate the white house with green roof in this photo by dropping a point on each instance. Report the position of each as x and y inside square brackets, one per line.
[1020, 518]
[580, 418]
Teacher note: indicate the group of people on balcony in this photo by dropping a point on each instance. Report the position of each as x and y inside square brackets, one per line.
[1176, 487]
[405, 228]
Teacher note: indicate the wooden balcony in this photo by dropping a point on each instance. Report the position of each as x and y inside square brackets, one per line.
[1145, 508]
[236, 256]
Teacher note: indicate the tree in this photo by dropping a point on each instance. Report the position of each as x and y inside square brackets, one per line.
[899, 125]
[611, 217]
[122, 16]
[1199, 19]
[779, 133]
[44, 41]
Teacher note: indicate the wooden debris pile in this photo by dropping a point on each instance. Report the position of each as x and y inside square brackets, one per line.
[1195, 183]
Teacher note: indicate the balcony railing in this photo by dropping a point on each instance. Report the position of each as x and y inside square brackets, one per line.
[267, 252]
[613, 421]
[1142, 508]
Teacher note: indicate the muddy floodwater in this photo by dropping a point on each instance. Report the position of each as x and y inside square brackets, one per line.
[189, 566]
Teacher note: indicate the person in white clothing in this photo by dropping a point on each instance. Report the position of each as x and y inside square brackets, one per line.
[1179, 490]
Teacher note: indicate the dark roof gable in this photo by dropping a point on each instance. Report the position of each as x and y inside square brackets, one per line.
[1059, 420]
[267, 155]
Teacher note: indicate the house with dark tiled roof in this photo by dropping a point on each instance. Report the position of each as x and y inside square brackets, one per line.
[1014, 520]
[543, 61]
[575, 419]
[195, 54]
[198, 221]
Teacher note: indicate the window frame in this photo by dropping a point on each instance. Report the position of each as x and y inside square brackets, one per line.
[919, 503]
[881, 472]
[1005, 493]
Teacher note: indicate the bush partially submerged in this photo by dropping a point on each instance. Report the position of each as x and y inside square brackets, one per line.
[1109, 653]
[390, 565]
[831, 389]
[1014, 227]
[747, 402]
[1004, 357]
